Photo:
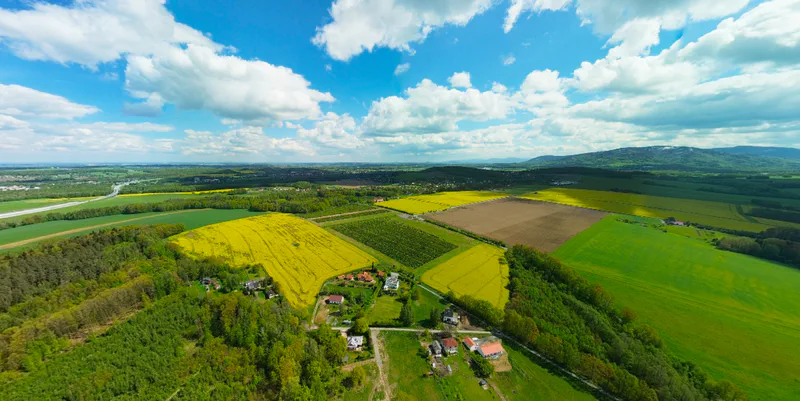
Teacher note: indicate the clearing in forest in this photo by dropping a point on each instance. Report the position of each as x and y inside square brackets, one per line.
[715, 214]
[441, 201]
[544, 226]
[481, 272]
[733, 315]
[296, 253]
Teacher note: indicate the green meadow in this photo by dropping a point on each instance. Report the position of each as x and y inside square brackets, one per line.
[190, 218]
[526, 380]
[736, 316]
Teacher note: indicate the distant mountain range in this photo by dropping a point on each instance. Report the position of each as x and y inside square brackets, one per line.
[741, 158]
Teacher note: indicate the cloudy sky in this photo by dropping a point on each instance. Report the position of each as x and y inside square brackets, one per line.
[391, 80]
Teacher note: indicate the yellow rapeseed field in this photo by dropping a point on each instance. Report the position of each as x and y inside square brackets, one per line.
[299, 255]
[481, 271]
[716, 214]
[209, 191]
[441, 201]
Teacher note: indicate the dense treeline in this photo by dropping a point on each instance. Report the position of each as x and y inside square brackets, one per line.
[39, 271]
[778, 244]
[775, 214]
[575, 323]
[197, 346]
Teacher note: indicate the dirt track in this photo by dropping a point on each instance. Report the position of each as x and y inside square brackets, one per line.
[544, 226]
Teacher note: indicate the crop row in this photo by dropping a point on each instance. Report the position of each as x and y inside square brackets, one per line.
[401, 242]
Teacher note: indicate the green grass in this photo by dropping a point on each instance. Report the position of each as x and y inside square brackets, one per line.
[734, 315]
[362, 392]
[386, 310]
[424, 305]
[13, 206]
[715, 214]
[116, 201]
[526, 381]
[191, 219]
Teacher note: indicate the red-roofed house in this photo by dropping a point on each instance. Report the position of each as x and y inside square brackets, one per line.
[348, 277]
[335, 299]
[365, 277]
[450, 345]
[491, 350]
[470, 344]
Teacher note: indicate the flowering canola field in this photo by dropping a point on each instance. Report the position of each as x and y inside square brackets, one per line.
[296, 253]
[716, 214]
[441, 201]
[481, 272]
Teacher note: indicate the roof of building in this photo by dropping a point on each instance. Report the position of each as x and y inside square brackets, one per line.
[450, 342]
[355, 341]
[470, 342]
[436, 346]
[335, 298]
[491, 348]
[449, 313]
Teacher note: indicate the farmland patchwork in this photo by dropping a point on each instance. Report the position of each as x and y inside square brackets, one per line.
[299, 255]
[440, 201]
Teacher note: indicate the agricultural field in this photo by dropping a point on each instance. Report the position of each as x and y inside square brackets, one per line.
[481, 272]
[14, 206]
[396, 239]
[544, 226]
[734, 315]
[716, 214]
[25, 236]
[299, 255]
[441, 201]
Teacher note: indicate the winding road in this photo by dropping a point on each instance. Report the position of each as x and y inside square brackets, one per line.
[50, 208]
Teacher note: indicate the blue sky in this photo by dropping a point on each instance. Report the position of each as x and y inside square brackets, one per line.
[391, 80]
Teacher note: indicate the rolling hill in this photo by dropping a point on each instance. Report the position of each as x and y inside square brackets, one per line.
[677, 158]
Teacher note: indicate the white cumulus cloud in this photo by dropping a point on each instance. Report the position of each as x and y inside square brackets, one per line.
[460, 80]
[16, 100]
[363, 25]
[91, 32]
[197, 77]
[402, 68]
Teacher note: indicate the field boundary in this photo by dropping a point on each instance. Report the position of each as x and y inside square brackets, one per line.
[78, 230]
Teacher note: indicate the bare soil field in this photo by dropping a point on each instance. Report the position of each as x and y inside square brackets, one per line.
[544, 226]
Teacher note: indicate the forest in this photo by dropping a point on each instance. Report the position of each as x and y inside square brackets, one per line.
[169, 339]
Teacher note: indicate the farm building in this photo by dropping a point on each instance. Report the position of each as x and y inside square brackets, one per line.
[392, 283]
[272, 294]
[436, 348]
[354, 343]
[209, 283]
[471, 344]
[365, 277]
[335, 299]
[450, 316]
[450, 345]
[491, 350]
[253, 285]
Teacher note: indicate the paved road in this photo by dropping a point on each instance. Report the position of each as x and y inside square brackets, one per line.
[416, 330]
[50, 208]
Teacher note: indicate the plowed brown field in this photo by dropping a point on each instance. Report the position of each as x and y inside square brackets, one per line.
[544, 226]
